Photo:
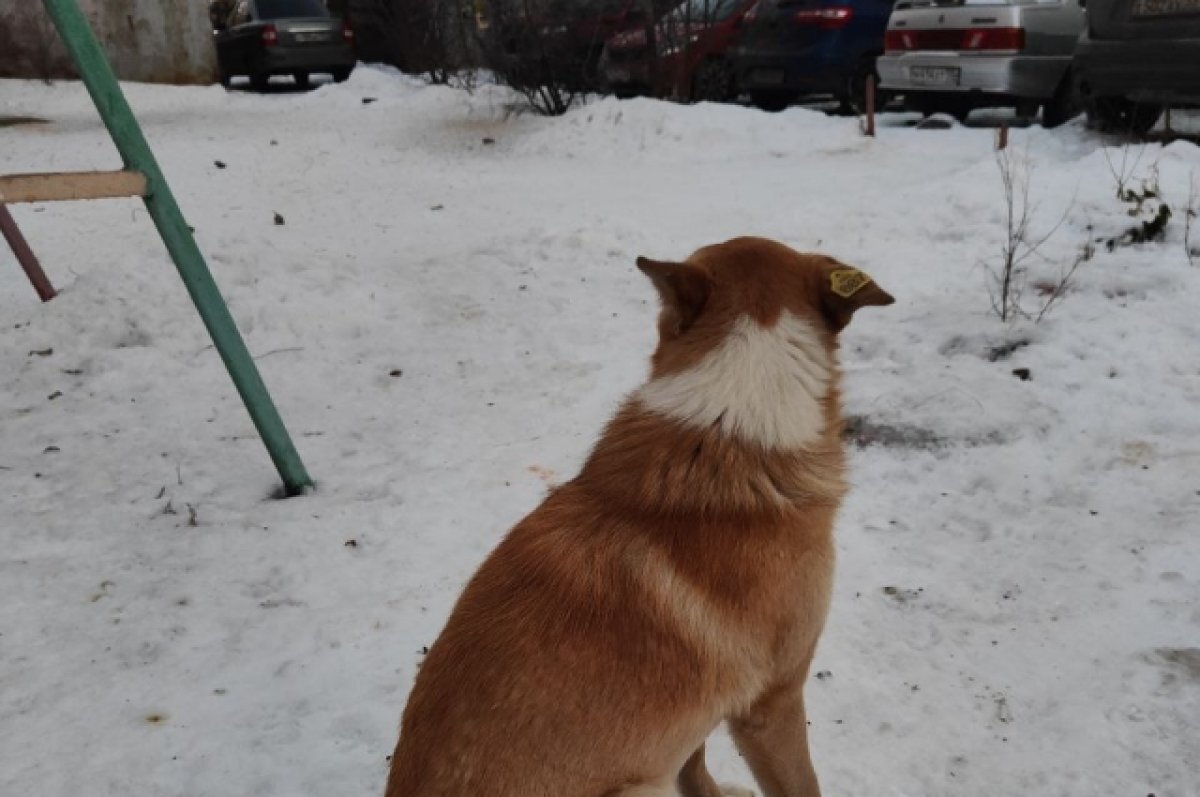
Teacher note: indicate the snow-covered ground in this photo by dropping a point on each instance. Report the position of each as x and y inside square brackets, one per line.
[447, 316]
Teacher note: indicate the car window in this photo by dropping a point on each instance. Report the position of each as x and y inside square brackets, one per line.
[282, 9]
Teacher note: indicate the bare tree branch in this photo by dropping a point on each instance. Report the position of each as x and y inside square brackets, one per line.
[1006, 285]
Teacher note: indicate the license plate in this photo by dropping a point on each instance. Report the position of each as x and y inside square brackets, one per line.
[311, 37]
[934, 75]
[619, 76]
[1164, 8]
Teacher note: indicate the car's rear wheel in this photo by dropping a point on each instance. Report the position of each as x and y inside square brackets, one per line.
[341, 75]
[224, 78]
[1065, 105]
[770, 100]
[1121, 115]
[301, 78]
[713, 81]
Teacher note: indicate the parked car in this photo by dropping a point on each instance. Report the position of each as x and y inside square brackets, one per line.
[686, 55]
[791, 48]
[261, 38]
[952, 57]
[1134, 58]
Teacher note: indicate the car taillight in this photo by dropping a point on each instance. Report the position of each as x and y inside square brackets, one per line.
[827, 18]
[270, 36]
[994, 39]
[898, 41]
[968, 39]
[347, 33]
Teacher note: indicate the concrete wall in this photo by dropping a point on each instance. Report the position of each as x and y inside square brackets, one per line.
[152, 41]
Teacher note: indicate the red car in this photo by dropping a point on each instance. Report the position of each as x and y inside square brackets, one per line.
[683, 56]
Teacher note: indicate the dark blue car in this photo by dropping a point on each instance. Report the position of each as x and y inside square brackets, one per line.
[794, 48]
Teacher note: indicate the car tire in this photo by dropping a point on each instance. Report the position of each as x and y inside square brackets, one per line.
[1122, 116]
[1065, 105]
[260, 81]
[713, 81]
[224, 78]
[302, 79]
[772, 101]
[341, 75]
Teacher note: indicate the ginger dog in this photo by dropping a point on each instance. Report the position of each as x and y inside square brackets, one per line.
[680, 580]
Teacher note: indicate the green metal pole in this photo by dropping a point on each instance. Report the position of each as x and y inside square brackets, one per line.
[98, 76]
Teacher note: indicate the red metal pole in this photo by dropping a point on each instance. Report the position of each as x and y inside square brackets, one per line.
[25, 257]
[870, 106]
[1002, 136]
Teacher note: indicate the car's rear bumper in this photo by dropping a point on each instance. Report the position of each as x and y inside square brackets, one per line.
[787, 72]
[1019, 76]
[307, 57]
[1157, 71]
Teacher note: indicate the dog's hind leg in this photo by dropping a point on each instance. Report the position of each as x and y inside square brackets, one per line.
[695, 781]
[773, 738]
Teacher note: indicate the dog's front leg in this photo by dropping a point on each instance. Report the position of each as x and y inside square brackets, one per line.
[773, 738]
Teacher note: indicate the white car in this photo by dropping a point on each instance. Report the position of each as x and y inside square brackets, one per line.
[953, 57]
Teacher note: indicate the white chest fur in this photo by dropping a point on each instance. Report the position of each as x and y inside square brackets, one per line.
[762, 384]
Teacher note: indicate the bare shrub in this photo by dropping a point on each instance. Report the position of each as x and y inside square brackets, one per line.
[533, 47]
[432, 38]
[1055, 290]
[1122, 170]
[1148, 207]
[1007, 279]
[550, 50]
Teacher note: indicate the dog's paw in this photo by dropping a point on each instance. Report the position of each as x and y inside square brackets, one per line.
[729, 790]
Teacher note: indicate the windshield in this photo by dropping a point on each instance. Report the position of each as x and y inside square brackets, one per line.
[282, 9]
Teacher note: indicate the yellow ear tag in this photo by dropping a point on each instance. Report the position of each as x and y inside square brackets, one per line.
[846, 282]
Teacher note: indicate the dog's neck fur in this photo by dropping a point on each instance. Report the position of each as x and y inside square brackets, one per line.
[754, 426]
[761, 385]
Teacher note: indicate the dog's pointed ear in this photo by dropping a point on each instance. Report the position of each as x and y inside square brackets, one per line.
[684, 289]
[847, 289]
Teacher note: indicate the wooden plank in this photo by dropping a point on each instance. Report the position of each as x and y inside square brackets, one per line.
[61, 186]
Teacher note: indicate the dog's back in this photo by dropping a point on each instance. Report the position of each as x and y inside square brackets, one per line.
[681, 579]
